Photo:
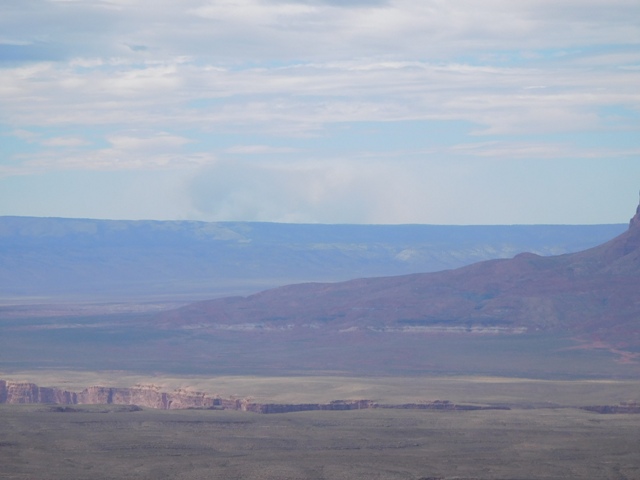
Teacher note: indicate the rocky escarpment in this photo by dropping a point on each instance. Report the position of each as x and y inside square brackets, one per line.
[11, 392]
[153, 397]
[146, 396]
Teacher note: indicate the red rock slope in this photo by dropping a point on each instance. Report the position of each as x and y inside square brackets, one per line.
[593, 295]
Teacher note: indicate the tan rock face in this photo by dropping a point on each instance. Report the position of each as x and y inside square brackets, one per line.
[23, 392]
[151, 397]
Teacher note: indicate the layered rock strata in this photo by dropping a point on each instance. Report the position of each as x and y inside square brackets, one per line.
[146, 396]
[153, 397]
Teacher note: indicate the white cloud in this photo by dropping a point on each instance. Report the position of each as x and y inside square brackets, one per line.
[113, 160]
[154, 143]
[258, 149]
[252, 30]
[320, 191]
[308, 96]
[25, 135]
[35, 138]
[538, 150]
[193, 84]
[65, 142]
[126, 152]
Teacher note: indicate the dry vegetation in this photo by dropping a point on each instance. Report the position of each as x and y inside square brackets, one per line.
[114, 443]
[551, 441]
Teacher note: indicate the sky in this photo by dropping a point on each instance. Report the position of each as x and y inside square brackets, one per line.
[321, 111]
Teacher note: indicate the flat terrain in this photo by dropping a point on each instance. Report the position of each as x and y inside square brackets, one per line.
[543, 436]
[131, 342]
[115, 443]
[520, 393]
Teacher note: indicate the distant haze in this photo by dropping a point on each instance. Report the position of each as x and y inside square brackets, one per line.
[55, 260]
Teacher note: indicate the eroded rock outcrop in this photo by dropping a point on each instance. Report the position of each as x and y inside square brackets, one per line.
[24, 392]
[146, 396]
[152, 397]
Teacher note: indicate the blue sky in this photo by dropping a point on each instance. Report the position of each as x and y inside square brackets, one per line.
[382, 111]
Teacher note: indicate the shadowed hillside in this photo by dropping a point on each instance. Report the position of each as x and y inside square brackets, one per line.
[593, 295]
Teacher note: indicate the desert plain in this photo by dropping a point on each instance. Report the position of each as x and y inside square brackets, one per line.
[510, 369]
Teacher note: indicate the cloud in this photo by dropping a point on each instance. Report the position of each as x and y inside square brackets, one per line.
[153, 143]
[35, 138]
[305, 97]
[283, 192]
[65, 142]
[258, 149]
[438, 190]
[272, 96]
[252, 30]
[539, 150]
[56, 31]
[112, 160]
[285, 66]
[126, 152]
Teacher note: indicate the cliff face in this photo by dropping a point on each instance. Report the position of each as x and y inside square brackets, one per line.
[11, 392]
[152, 397]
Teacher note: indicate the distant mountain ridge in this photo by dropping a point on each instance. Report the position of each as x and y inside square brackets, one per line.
[80, 259]
[593, 295]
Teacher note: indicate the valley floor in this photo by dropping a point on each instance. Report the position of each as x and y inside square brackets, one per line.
[110, 442]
